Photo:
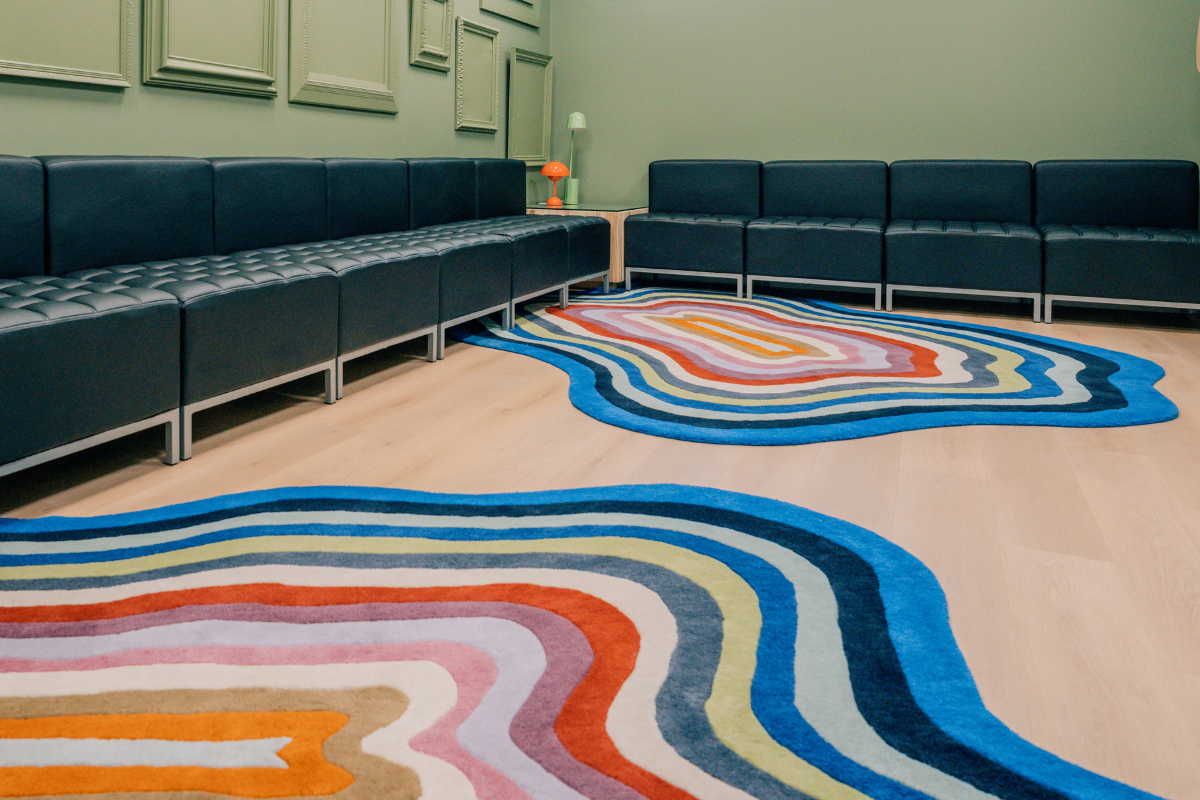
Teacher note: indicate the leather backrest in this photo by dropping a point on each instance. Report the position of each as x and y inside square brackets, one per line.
[22, 217]
[108, 210]
[706, 186]
[1151, 194]
[970, 191]
[499, 188]
[267, 202]
[440, 190]
[825, 189]
[366, 195]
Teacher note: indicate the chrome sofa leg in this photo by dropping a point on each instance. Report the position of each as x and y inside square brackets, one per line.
[185, 433]
[333, 388]
[431, 343]
[172, 432]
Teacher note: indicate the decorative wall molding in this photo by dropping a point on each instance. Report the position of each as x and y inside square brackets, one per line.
[476, 78]
[165, 64]
[64, 63]
[530, 96]
[310, 43]
[527, 12]
[431, 28]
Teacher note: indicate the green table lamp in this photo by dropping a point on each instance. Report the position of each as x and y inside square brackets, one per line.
[575, 122]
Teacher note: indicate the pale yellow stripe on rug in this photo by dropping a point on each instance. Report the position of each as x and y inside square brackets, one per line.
[729, 706]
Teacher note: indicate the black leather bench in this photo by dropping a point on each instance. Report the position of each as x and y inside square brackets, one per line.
[822, 225]
[963, 227]
[697, 220]
[82, 363]
[137, 291]
[1119, 232]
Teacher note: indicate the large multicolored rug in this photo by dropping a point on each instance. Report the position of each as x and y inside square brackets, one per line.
[707, 367]
[630, 643]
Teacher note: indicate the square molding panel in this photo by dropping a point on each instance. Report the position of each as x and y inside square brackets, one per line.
[476, 78]
[345, 54]
[214, 45]
[80, 41]
[432, 27]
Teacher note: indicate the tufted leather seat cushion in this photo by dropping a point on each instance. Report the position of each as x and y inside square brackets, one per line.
[194, 279]
[80, 359]
[45, 300]
[1126, 263]
[820, 248]
[1071, 233]
[686, 242]
[987, 256]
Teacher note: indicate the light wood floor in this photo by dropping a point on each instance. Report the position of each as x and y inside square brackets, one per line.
[1070, 557]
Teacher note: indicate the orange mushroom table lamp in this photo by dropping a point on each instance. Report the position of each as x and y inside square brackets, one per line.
[555, 171]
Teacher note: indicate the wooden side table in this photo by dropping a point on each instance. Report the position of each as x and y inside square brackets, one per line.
[615, 214]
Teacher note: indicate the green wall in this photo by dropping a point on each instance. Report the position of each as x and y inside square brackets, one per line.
[881, 79]
[40, 118]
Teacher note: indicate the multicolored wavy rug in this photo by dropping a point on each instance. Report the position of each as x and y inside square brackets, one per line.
[707, 367]
[630, 643]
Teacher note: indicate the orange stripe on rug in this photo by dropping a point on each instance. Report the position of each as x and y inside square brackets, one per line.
[307, 774]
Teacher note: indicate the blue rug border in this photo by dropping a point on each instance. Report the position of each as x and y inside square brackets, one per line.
[1135, 378]
[915, 605]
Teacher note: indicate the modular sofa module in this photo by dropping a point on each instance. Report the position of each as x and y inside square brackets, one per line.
[1120, 232]
[697, 220]
[822, 225]
[963, 227]
[138, 291]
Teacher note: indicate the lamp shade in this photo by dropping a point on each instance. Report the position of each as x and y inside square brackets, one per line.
[556, 169]
[576, 122]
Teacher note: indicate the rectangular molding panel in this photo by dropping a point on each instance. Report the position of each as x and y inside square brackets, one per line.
[81, 41]
[344, 54]
[477, 78]
[530, 91]
[432, 27]
[215, 45]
